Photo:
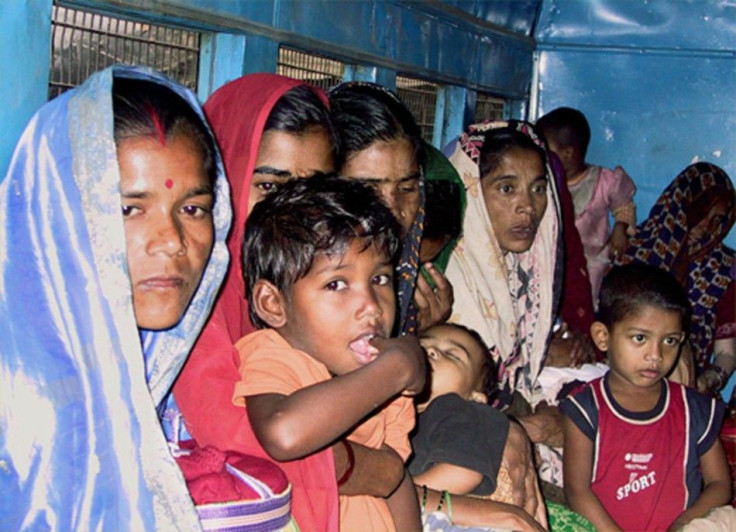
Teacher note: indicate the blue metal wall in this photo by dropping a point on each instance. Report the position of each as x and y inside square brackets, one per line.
[25, 37]
[466, 44]
[656, 79]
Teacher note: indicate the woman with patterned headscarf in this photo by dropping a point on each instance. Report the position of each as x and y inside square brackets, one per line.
[684, 235]
[505, 270]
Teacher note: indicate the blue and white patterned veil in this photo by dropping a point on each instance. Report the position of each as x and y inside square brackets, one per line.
[81, 447]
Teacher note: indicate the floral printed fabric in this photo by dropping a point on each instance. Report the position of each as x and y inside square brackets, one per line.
[660, 238]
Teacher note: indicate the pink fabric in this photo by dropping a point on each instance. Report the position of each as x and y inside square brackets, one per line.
[613, 189]
[237, 113]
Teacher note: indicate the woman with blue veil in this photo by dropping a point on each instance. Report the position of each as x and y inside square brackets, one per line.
[113, 218]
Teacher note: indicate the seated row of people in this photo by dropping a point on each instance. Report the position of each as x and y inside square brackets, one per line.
[327, 325]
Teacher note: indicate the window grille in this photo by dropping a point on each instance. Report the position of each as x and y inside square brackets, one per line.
[488, 107]
[420, 97]
[83, 42]
[311, 68]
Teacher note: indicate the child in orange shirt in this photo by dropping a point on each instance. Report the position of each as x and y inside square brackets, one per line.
[319, 278]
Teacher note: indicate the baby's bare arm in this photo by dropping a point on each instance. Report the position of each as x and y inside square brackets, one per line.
[452, 478]
[294, 426]
[476, 512]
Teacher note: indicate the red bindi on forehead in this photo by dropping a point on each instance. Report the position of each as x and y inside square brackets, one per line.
[169, 183]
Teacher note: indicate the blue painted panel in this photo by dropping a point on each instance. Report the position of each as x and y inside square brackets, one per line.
[417, 37]
[257, 11]
[427, 39]
[515, 15]
[654, 115]
[261, 54]
[25, 41]
[503, 66]
[363, 26]
[221, 60]
[682, 24]
[464, 56]
[372, 74]
[457, 114]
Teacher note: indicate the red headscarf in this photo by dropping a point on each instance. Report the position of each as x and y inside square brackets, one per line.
[237, 113]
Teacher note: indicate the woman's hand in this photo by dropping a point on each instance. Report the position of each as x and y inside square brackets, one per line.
[518, 460]
[710, 382]
[618, 241]
[475, 512]
[713, 379]
[569, 349]
[433, 305]
[544, 425]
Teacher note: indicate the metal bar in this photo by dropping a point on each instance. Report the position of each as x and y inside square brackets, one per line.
[84, 42]
[638, 50]
[127, 36]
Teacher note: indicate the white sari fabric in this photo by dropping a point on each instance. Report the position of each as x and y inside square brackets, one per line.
[510, 300]
[81, 447]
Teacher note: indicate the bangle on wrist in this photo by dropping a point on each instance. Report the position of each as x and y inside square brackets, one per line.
[350, 465]
[443, 496]
[721, 374]
[445, 500]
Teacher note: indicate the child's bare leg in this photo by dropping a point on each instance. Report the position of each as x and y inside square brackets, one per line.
[404, 506]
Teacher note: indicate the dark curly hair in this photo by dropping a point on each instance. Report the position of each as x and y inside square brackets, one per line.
[305, 217]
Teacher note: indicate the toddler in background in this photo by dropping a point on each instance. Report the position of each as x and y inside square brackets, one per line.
[317, 261]
[642, 452]
[596, 192]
